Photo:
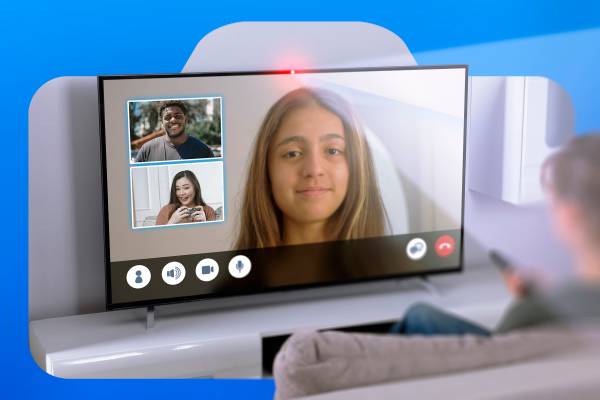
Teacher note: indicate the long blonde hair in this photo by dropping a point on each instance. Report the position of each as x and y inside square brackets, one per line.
[361, 214]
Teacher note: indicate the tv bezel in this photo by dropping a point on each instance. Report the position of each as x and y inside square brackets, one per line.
[216, 296]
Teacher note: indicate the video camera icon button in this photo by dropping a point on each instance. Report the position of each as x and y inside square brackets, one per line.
[138, 276]
[239, 266]
[207, 270]
[173, 273]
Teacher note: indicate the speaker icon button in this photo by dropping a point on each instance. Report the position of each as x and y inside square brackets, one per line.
[239, 266]
[173, 273]
[138, 276]
[207, 270]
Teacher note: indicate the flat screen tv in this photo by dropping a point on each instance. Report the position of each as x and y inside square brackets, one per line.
[229, 184]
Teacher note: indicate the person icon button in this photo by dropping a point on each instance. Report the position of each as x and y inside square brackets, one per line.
[138, 276]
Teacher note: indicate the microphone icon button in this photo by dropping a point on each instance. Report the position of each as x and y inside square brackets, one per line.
[239, 266]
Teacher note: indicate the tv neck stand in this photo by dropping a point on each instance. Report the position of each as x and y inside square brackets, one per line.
[429, 286]
[150, 317]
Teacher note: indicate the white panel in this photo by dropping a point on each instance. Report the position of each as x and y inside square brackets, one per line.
[299, 45]
[153, 190]
[515, 124]
[512, 137]
[146, 195]
[65, 201]
[548, 122]
[140, 184]
[487, 102]
[164, 188]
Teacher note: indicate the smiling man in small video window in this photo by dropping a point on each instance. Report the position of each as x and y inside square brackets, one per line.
[175, 144]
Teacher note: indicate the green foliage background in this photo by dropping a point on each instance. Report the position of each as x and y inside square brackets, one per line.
[144, 119]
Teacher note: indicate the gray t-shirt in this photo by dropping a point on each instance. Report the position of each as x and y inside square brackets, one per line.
[570, 304]
[160, 149]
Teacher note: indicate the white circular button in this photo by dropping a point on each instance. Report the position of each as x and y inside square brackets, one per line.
[239, 266]
[173, 273]
[138, 276]
[207, 270]
[416, 249]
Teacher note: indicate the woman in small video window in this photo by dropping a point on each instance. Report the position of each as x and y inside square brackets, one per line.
[185, 204]
[311, 176]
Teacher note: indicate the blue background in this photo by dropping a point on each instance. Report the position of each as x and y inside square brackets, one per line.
[46, 40]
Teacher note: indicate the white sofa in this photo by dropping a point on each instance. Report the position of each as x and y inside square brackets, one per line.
[536, 364]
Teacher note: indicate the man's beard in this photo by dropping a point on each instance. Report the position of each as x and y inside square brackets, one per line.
[181, 132]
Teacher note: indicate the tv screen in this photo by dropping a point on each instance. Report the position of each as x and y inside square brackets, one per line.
[225, 184]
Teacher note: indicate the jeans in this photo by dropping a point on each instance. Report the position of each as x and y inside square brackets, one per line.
[423, 319]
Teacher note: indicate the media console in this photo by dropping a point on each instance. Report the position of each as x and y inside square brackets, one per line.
[228, 343]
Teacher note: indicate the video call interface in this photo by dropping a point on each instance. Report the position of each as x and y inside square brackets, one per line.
[220, 185]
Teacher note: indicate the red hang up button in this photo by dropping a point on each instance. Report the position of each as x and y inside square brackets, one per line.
[445, 245]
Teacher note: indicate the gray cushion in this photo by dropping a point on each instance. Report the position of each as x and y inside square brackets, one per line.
[316, 362]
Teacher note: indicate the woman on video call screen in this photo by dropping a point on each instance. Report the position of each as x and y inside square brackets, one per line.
[311, 177]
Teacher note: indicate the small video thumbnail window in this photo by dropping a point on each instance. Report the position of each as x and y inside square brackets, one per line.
[177, 194]
[175, 129]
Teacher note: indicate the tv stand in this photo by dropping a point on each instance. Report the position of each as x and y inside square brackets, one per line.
[150, 317]
[227, 342]
[429, 285]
